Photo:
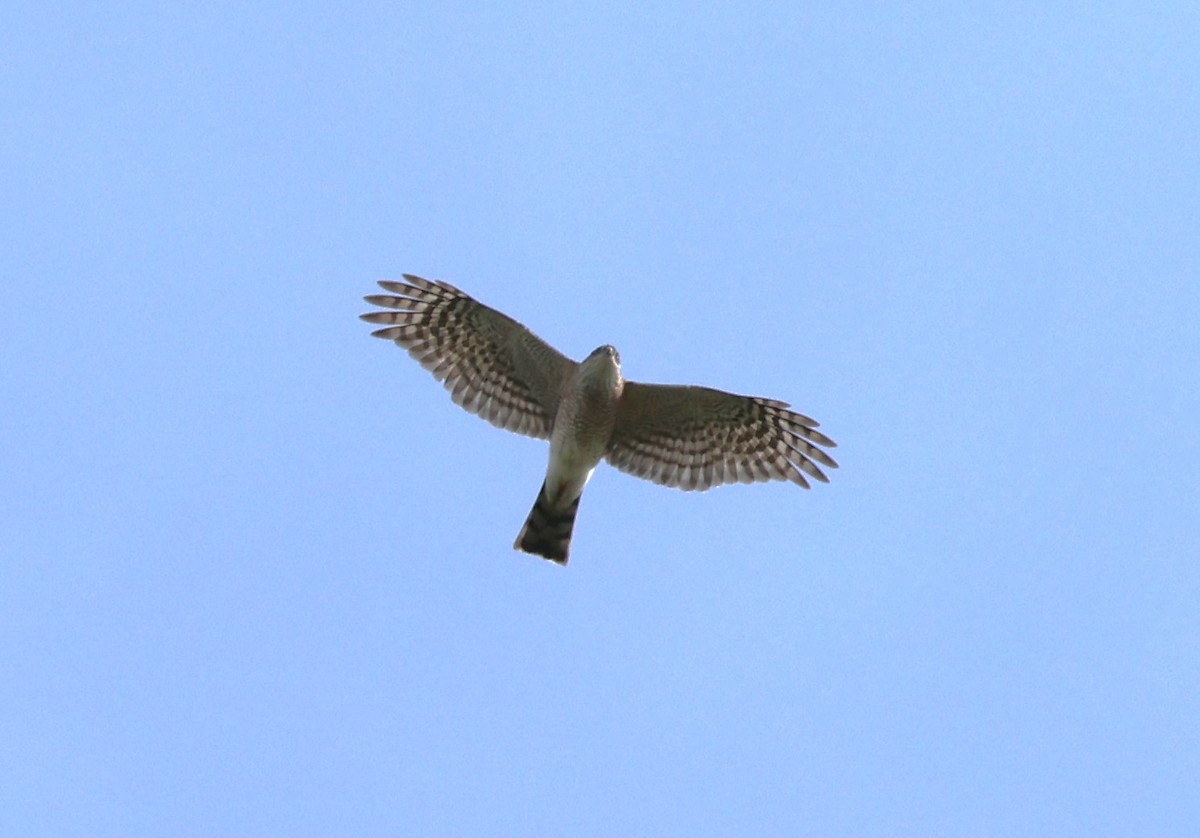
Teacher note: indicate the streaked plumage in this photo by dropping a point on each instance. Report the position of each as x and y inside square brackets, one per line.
[687, 437]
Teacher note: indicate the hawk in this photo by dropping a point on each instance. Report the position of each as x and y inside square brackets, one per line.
[687, 437]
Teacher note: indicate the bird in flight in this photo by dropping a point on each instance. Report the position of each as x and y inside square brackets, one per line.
[691, 438]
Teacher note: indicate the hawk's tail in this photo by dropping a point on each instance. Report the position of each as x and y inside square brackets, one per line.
[547, 530]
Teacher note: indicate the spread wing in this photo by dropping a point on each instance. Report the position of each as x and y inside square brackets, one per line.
[694, 438]
[492, 365]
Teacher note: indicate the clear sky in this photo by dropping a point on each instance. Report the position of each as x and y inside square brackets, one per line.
[255, 567]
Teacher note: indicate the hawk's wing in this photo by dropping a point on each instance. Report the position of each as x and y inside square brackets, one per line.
[696, 438]
[492, 365]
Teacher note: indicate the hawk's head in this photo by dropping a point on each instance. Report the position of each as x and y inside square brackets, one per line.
[603, 369]
[606, 350]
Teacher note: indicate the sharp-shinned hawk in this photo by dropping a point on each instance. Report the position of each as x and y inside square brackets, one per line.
[691, 438]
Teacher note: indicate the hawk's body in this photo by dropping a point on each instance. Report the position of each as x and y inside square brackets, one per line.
[687, 437]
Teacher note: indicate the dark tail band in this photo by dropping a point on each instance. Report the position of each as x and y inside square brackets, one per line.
[547, 530]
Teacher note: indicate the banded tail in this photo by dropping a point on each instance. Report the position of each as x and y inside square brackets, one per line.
[547, 530]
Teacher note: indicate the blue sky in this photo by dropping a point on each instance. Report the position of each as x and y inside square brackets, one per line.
[256, 573]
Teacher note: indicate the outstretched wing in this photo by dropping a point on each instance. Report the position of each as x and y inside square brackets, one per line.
[492, 365]
[694, 438]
